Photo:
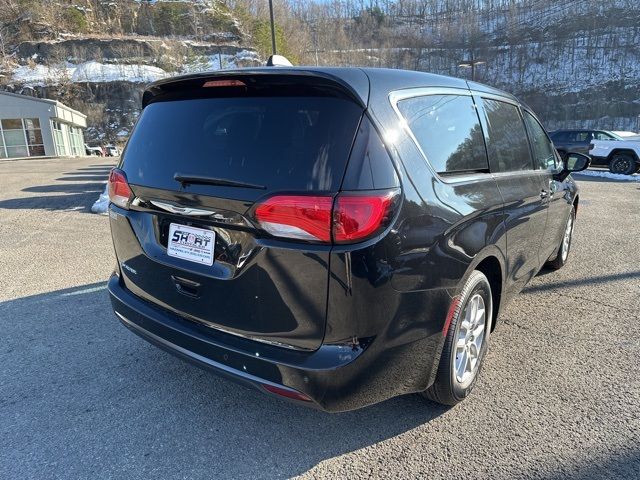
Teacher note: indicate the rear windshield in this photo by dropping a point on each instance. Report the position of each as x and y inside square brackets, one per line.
[282, 143]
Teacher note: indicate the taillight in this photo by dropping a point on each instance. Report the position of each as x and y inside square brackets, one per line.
[297, 216]
[352, 217]
[358, 216]
[120, 193]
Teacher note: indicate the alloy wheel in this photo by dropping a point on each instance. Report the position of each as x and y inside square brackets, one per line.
[621, 165]
[566, 240]
[470, 340]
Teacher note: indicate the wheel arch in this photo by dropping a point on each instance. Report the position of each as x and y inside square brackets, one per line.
[491, 263]
[627, 151]
[492, 269]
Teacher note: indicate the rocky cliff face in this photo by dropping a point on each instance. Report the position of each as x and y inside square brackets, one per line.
[576, 62]
[103, 74]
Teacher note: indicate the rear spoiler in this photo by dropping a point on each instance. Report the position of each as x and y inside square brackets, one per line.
[349, 82]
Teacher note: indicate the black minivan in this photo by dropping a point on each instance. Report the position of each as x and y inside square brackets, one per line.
[334, 236]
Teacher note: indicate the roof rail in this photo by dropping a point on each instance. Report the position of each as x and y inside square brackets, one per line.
[278, 61]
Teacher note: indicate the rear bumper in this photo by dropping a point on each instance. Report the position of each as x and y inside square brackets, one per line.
[331, 378]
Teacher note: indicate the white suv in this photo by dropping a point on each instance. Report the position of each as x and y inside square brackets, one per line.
[622, 156]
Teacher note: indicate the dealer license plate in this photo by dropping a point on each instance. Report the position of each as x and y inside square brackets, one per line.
[190, 243]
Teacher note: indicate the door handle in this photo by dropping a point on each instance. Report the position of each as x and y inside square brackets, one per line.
[544, 193]
[186, 287]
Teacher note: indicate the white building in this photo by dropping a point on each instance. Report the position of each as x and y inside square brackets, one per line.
[35, 127]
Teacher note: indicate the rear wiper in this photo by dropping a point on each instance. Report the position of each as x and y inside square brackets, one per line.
[189, 179]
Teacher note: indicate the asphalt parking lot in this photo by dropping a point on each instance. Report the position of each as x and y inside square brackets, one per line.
[82, 397]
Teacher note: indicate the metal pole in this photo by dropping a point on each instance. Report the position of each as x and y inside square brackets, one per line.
[273, 28]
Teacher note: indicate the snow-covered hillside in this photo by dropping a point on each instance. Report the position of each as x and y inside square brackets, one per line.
[576, 62]
[96, 72]
[96, 56]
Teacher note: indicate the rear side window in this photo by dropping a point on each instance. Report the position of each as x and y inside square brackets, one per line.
[508, 146]
[582, 137]
[603, 136]
[448, 131]
[544, 158]
[282, 143]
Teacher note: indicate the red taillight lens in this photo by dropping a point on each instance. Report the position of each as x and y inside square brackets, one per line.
[356, 216]
[353, 216]
[120, 193]
[297, 216]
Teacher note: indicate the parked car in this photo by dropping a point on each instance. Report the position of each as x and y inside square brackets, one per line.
[622, 156]
[334, 236]
[112, 151]
[94, 150]
[579, 140]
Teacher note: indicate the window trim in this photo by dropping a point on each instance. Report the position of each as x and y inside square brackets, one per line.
[396, 96]
[544, 130]
[558, 166]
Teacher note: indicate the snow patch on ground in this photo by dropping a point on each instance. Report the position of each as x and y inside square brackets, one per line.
[609, 175]
[102, 203]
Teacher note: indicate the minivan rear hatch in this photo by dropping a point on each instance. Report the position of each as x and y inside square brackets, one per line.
[206, 152]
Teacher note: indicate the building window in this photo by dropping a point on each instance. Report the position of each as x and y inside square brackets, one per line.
[21, 137]
[58, 139]
[76, 141]
[15, 141]
[34, 137]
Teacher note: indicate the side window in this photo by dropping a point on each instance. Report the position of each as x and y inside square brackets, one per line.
[544, 157]
[508, 145]
[570, 137]
[559, 136]
[448, 131]
[583, 137]
[602, 136]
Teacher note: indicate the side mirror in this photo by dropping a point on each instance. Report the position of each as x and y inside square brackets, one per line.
[574, 162]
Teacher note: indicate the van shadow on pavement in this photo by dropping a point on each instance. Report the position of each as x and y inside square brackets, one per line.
[75, 190]
[74, 380]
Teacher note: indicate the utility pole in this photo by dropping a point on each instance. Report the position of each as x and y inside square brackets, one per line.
[471, 63]
[273, 29]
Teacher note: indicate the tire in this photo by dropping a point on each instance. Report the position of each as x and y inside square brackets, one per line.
[565, 243]
[622, 163]
[457, 373]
